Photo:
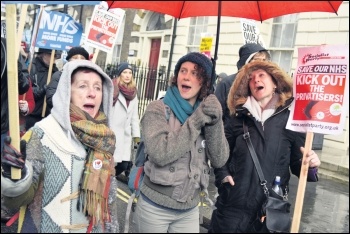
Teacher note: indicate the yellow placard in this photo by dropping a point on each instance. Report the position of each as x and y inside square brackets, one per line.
[206, 43]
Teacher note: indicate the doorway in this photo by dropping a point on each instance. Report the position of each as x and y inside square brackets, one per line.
[153, 64]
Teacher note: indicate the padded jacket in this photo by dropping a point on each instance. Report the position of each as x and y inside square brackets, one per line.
[277, 148]
[39, 73]
[23, 86]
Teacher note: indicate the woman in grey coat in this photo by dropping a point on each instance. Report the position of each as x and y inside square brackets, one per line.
[179, 148]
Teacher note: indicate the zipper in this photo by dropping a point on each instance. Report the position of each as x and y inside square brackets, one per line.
[276, 114]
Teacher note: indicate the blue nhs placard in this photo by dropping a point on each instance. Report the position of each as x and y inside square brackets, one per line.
[58, 31]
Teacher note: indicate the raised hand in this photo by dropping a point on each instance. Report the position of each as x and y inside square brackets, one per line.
[212, 108]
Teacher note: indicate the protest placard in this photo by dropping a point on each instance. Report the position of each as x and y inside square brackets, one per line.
[205, 46]
[321, 90]
[58, 31]
[251, 33]
[104, 28]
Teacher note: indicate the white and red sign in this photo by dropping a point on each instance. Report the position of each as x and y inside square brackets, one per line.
[104, 28]
[321, 90]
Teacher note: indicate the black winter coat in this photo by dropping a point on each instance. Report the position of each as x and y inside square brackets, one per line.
[23, 86]
[278, 150]
[221, 92]
[39, 73]
[51, 88]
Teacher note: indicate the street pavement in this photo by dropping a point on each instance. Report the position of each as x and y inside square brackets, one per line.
[325, 207]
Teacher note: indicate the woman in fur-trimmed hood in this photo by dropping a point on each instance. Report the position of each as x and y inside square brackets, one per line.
[240, 91]
[260, 97]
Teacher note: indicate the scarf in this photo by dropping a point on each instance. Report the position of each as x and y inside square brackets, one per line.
[261, 114]
[181, 108]
[129, 93]
[94, 184]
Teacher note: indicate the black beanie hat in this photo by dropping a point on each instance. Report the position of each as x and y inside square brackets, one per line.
[77, 50]
[247, 51]
[197, 58]
[123, 66]
[42, 50]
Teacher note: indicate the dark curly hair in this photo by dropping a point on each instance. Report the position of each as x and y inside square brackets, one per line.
[202, 77]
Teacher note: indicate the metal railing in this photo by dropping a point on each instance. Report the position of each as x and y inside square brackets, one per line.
[150, 82]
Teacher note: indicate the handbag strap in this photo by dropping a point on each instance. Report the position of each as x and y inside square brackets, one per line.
[246, 137]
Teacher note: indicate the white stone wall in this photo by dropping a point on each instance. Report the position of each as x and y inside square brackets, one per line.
[314, 28]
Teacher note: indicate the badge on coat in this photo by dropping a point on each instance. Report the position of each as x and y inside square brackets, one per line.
[203, 143]
[97, 164]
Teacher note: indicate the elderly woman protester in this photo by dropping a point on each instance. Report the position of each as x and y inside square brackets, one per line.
[66, 159]
[260, 97]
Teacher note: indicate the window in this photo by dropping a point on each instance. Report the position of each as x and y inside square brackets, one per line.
[165, 54]
[198, 25]
[156, 22]
[116, 53]
[283, 40]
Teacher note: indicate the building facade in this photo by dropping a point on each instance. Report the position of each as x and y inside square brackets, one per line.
[160, 40]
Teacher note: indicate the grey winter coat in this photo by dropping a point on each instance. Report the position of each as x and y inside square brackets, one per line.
[178, 157]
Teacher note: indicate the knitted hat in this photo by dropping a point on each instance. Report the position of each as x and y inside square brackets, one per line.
[246, 53]
[46, 51]
[123, 66]
[197, 58]
[77, 50]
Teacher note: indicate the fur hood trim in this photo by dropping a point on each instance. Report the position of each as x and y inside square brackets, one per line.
[240, 91]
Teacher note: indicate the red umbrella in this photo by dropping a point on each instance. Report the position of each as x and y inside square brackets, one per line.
[256, 10]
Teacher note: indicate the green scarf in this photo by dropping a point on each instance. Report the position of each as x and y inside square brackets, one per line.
[99, 140]
[181, 108]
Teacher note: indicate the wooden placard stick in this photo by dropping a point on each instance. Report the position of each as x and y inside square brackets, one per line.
[22, 21]
[34, 37]
[48, 80]
[302, 184]
[12, 81]
[95, 55]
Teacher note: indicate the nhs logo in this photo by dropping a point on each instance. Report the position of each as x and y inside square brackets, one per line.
[58, 31]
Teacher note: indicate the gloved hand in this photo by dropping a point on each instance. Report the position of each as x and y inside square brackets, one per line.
[208, 112]
[212, 108]
[312, 175]
[10, 157]
[39, 92]
[23, 106]
[198, 118]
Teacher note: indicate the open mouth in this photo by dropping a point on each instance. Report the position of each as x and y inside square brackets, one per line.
[185, 87]
[259, 88]
[89, 107]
